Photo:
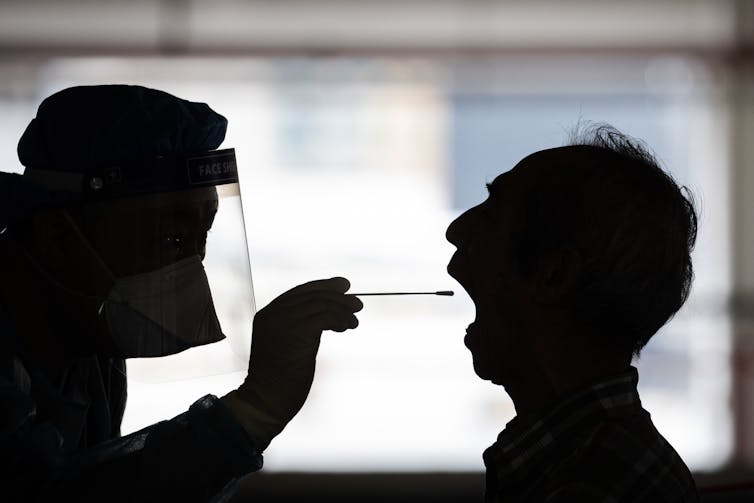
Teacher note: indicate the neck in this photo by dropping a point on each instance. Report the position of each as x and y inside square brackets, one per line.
[532, 395]
[561, 371]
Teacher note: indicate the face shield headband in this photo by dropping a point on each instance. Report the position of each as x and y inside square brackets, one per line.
[142, 176]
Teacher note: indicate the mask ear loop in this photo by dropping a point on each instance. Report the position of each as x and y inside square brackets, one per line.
[88, 245]
[44, 273]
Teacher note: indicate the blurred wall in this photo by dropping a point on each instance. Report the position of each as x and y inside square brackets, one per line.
[719, 34]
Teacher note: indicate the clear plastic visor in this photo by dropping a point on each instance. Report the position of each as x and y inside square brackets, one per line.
[160, 250]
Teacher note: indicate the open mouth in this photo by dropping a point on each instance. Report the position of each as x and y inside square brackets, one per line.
[457, 271]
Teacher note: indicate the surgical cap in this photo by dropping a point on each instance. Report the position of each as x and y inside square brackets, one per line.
[82, 127]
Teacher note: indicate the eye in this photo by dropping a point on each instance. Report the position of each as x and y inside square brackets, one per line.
[175, 242]
[485, 214]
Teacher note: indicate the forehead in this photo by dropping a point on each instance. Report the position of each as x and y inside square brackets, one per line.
[542, 164]
[169, 201]
[183, 198]
[509, 191]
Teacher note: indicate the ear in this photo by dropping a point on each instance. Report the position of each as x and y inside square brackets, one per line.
[557, 276]
[61, 251]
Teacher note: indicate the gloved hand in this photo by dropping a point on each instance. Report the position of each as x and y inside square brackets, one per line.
[284, 345]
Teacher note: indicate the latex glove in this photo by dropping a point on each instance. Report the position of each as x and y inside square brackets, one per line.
[284, 346]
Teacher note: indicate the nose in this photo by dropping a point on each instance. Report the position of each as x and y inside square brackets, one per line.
[459, 228]
[199, 245]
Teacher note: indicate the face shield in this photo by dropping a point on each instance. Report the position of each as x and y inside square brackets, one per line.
[170, 234]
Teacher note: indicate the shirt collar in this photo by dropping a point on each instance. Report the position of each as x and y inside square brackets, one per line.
[521, 444]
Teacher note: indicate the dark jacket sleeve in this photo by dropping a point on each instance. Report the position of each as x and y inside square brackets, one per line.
[192, 457]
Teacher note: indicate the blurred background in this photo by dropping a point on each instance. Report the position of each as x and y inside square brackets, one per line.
[362, 129]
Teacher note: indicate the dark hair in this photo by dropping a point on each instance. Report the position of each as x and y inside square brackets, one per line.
[632, 225]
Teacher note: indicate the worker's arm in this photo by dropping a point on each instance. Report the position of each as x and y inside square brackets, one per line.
[191, 457]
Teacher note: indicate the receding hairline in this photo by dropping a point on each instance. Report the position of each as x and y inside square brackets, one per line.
[558, 157]
[569, 153]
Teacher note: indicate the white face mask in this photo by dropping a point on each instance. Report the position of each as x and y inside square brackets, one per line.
[161, 312]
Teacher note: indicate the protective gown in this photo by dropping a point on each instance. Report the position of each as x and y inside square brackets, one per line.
[60, 440]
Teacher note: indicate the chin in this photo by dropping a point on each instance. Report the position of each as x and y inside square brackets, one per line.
[485, 372]
[482, 372]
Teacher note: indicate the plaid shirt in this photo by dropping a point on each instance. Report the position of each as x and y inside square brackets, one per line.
[597, 445]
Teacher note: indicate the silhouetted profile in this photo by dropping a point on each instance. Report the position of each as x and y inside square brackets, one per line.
[102, 243]
[577, 257]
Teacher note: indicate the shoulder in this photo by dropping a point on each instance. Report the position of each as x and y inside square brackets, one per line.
[13, 373]
[625, 459]
[19, 408]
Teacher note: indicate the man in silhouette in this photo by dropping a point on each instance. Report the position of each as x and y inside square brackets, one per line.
[574, 261]
[101, 248]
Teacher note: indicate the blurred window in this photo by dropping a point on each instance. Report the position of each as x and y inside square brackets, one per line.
[355, 167]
